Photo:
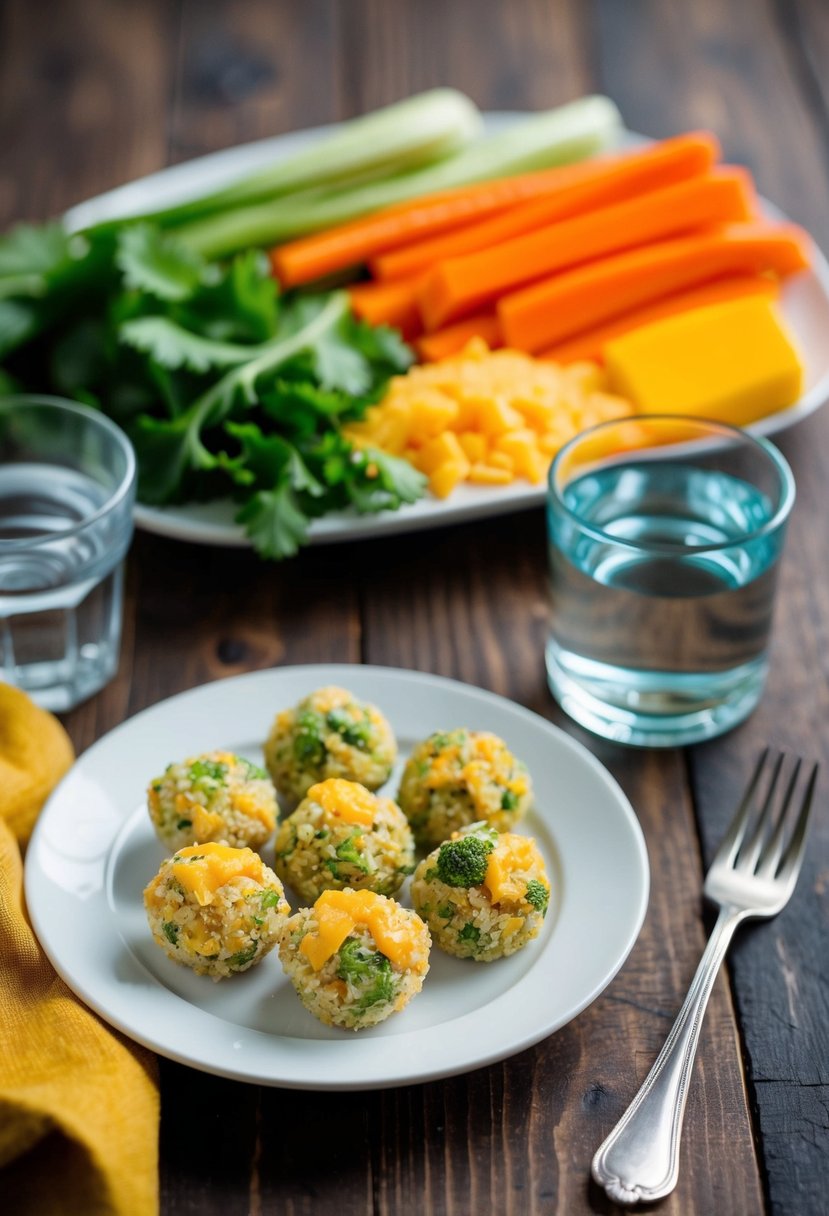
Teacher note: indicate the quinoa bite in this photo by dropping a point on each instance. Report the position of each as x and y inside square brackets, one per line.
[216, 909]
[355, 957]
[328, 734]
[483, 895]
[458, 777]
[212, 797]
[341, 835]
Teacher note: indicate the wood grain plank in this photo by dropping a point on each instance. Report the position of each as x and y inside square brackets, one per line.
[672, 66]
[804, 25]
[473, 606]
[248, 69]
[754, 82]
[83, 98]
[527, 54]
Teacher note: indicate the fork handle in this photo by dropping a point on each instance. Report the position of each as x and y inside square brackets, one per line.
[639, 1160]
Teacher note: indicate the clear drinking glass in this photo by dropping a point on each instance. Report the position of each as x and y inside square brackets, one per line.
[665, 537]
[67, 486]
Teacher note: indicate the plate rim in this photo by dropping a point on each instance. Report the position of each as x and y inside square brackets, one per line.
[35, 878]
[177, 523]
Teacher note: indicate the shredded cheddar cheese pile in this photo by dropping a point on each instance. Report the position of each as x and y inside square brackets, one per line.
[486, 417]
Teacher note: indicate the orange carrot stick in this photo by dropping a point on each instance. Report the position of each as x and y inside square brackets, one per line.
[465, 284]
[322, 253]
[448, 341]
[607, 182]
[392, 304]
[546, 313]
[590, 344]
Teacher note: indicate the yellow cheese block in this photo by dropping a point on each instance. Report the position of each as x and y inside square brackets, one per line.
[733, 362]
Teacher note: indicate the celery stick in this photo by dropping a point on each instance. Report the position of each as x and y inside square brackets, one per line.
[571, 132]
[405, 135]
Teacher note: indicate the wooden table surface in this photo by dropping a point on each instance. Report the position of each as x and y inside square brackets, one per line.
[95, 92]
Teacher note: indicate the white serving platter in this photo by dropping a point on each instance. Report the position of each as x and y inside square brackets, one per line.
[804, 300]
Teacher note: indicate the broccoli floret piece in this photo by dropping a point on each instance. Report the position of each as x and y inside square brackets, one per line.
[442, 739]
[348, 851]
[357, 963]
[269, 899]
[366, 969]
[446, 911]
[212, 769]
[463, 862]
[509, 801]
[469, 933]
[309, 747]
[537, 895]
[170, 931]
[356, 734]
[438, 742]
[184, 823]
[244, 956]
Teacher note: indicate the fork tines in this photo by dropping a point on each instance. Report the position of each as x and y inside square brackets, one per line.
[761, 850]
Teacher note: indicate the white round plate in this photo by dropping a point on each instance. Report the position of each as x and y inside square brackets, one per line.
[94, 850]
[805, 304]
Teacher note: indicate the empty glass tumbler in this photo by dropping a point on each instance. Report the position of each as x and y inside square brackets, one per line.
[665, 538]
[67, 487]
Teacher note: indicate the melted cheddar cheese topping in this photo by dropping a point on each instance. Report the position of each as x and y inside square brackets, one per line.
[202, 869]
[338, 913]
[479, 761]
[344, 800]
[508, 865]
[249, 805]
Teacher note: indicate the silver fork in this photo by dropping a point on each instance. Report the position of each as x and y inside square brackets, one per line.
[752, 875]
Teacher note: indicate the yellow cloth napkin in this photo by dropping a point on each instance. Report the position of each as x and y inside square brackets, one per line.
[78, 1104]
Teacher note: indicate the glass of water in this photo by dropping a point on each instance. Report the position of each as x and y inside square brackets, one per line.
[67, 486]
[665, 538]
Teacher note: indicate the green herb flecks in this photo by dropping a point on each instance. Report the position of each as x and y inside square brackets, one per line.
[170, 931]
